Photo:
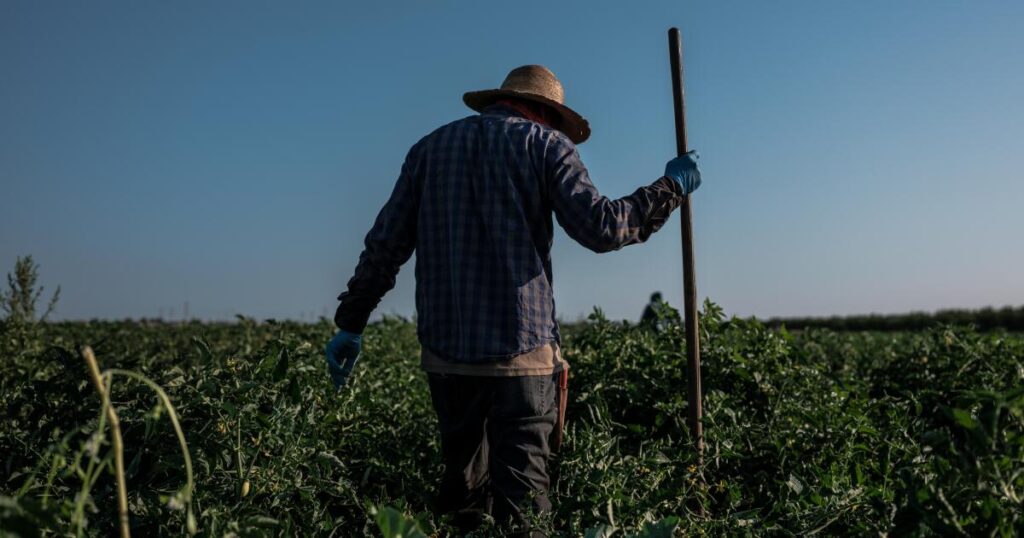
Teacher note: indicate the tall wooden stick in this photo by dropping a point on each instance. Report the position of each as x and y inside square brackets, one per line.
[675, 51]
[115, 433]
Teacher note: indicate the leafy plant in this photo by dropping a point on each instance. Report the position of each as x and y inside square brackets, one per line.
[811, 432]
[19, 301]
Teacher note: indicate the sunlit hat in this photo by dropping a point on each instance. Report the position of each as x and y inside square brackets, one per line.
[534, 83]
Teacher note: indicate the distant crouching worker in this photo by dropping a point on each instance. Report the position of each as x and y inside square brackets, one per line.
[658, 314]
[650, 315]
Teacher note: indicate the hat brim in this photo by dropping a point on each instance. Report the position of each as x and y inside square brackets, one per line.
[572, 124]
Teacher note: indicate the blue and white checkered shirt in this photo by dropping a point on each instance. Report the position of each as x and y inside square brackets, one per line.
[474, 200]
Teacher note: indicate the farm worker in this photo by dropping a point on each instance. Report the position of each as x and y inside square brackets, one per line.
[650, 315]
[658, 315]
[474, 200]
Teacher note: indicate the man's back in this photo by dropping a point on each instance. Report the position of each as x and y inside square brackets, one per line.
[475, 199]
[483, 264]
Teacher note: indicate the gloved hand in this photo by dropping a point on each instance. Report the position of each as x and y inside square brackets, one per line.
[342, 354]
[683, 170]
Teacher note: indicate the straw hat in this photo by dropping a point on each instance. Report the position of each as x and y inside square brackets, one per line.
[534, 83]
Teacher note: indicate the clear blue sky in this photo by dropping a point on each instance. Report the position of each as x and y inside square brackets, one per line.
[858, 156]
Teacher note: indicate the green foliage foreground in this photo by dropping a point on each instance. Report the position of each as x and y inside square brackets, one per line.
[816, 432]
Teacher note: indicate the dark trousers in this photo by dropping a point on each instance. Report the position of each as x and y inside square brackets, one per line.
[495, 444]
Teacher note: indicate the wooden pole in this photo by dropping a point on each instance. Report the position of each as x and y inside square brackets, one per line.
[675, 51]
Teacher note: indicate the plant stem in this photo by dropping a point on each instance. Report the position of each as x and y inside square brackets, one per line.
[115, 432]
[173, 415]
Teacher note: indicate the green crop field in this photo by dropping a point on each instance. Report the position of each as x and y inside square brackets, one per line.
[814, 432]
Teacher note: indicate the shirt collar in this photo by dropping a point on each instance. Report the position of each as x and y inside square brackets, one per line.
[503, 110]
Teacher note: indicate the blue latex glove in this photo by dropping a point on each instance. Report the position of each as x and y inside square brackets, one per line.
[342, 354]
[683, 170]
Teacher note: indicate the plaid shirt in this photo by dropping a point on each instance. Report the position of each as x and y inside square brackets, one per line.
[474, 200]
